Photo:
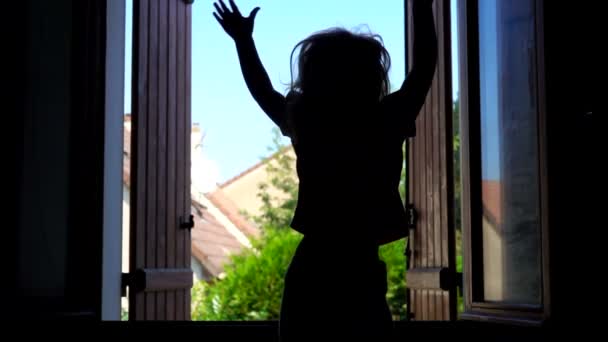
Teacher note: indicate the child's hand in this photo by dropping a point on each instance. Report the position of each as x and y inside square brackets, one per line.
[237, 26]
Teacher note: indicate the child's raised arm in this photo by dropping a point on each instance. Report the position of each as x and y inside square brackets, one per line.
[241, 29]
[407, 101]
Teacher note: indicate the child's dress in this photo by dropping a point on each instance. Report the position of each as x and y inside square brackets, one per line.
[348, 205]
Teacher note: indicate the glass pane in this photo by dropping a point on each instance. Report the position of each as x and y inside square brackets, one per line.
[456, 144]
[509, 152]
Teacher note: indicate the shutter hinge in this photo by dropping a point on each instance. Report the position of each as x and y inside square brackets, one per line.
[133, 280]
[126, 280]
[189, 224]
[412, 216]
[156, 279]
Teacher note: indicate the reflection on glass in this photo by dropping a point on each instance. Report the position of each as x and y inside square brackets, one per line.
[509, 152]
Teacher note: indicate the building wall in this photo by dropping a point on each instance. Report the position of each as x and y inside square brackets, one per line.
[493, 270]
[243, 191]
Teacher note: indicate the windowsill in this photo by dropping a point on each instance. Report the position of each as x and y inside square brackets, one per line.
[532, 320]
[268, 330]
[405, 328]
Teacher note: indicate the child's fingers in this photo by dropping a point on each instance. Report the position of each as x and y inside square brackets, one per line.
[253, 13]
[218, 9]
[234, 8]
[219, 20]
[224, 7]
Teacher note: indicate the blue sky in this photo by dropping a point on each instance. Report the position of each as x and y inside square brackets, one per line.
[237, 132]
[489, 86]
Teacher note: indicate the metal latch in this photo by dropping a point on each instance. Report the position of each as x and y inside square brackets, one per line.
[189, 224]
[412, 216]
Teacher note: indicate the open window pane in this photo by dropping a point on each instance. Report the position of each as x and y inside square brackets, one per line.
[509, 152]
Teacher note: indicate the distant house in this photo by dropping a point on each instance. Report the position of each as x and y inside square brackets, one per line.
[492, 236]
[219, 229]
[242, 189]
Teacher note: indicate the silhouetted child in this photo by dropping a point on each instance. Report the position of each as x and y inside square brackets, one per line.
[347, 132]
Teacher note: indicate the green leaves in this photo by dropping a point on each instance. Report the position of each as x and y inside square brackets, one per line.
[253, 286]
[393, 255]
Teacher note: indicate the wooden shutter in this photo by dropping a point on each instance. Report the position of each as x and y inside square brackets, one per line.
[431, 269]
[161, 277]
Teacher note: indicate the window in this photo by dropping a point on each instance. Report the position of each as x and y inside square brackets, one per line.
[502, 160]
[509, 151]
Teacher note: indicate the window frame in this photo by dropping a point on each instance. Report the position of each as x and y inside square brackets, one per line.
[475, 307]
[469, 97]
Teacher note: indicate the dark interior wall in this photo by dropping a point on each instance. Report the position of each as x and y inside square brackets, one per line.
[42, 239]
[57, 74]
[572, 45]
